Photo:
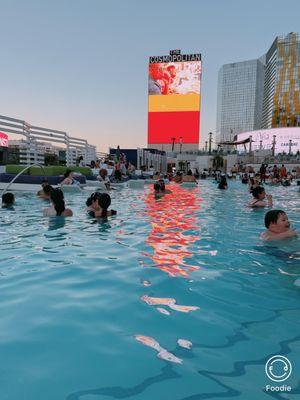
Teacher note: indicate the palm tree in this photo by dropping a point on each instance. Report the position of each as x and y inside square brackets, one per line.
[218, 161]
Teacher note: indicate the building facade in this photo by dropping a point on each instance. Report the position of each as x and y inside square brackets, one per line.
[281, 106]
[37, 141]
[260, 94]
[240, 98]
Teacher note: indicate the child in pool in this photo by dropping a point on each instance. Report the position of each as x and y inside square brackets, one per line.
[278, 226]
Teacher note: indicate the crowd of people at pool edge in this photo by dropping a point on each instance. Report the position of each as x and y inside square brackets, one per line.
[97, 205]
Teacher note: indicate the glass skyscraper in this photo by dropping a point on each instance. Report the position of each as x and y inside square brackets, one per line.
[281, 106]
[240, 98]
[262, 93]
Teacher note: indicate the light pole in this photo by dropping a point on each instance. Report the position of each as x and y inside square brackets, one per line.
[273, 145]
[210, 140]
[173, 143]
[180, 144]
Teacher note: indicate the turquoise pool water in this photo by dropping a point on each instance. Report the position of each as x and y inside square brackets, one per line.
[94, 310]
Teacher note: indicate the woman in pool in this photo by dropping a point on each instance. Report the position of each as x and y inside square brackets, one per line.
[223, 183]
[160, 189]
[259, 196]
[44, 194]
[97, 205]
[69, 178]
[278, 226]
[58, 205]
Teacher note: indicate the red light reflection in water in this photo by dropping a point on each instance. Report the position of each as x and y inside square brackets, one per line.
[171, 216]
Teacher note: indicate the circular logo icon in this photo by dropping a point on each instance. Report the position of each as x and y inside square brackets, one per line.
[278, 368]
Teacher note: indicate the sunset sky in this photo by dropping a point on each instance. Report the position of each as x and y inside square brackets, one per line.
[81, 66]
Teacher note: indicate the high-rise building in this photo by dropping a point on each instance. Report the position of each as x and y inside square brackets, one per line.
[260, 94]
[240, 98]
[281, 105]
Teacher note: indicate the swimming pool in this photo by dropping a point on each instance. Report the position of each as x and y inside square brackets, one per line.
[93, 310]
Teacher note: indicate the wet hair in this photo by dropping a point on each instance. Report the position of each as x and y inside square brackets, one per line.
[47, 189]
[93, 197]
[44, 182]
[156, 187]
[57, 197]
[104, 201]
[272, 216]
[257, 191]
[103, 171]
[8, 199]
[162, 185]
[67, 173]
[223, 182]
[189, 172]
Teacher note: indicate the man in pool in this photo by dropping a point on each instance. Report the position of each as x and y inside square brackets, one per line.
[8, 200]
[278, 226]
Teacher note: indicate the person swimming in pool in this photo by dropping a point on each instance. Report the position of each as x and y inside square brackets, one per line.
[278, 226]
[44, 194]
[160, 188]
[97, 205]
[259, 196]
[223, 183]
[69, 178]
[58, 207]
[8, 200]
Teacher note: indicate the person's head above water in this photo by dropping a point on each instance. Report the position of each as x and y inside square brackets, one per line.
[57, 198]
[156, 187]
[259, 193]
[277, 221]
[8, 200]
[68, 174]
[93, 200]
[190, 172]
[101, 200]
[162, 185]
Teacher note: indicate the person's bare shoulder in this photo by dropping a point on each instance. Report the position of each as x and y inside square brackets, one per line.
[68, 212]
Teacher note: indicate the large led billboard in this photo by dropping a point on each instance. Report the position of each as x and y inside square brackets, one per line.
[3, 139]
[174, 99]
[263, 139]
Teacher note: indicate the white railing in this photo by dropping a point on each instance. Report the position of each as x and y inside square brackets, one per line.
[36, 136]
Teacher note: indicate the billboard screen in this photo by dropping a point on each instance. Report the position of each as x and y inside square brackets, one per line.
[3, 139]
[264, 139]
[174, 98]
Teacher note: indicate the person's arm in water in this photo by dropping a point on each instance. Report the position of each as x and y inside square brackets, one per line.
[270, 200]
[268, 235]
[257, 203]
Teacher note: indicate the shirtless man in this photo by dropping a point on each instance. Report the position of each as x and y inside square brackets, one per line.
[278, 226]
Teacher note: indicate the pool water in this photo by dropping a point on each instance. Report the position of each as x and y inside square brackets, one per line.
[94, 310]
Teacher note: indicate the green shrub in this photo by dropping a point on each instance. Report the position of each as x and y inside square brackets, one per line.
[47, 171]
